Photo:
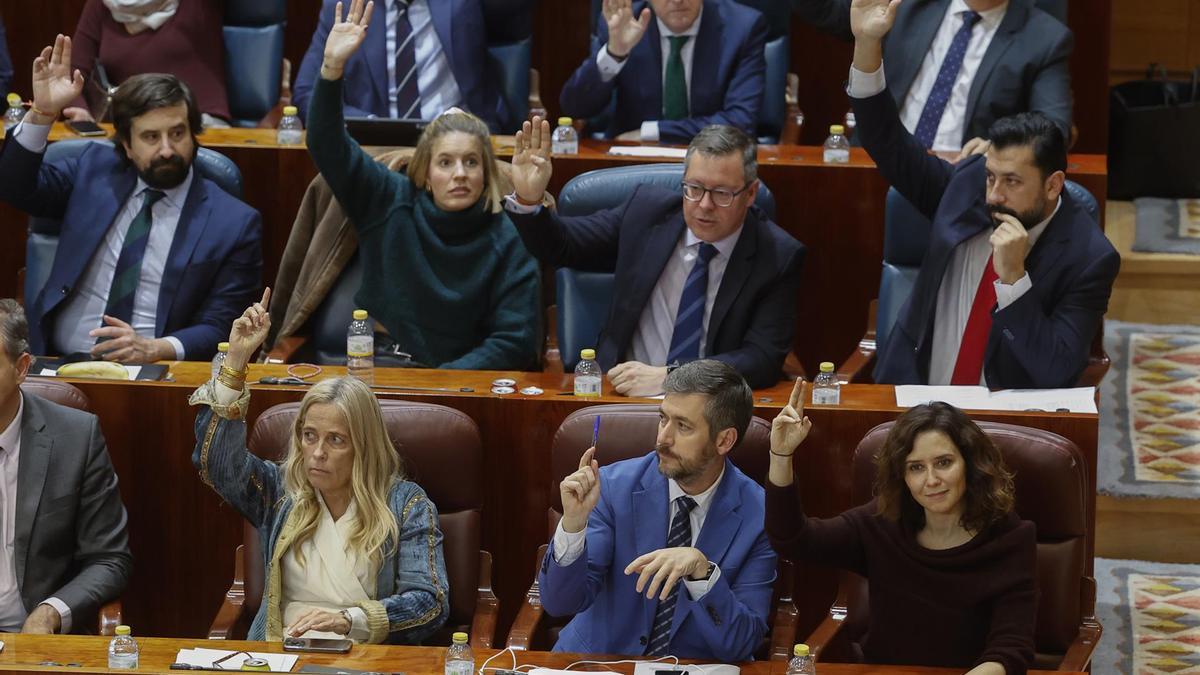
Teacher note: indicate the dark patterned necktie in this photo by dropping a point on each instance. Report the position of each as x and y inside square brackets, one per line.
[408, 96]
[675, 95]
[129, 263]
[689, 319]
[939, 96]
[680, 535]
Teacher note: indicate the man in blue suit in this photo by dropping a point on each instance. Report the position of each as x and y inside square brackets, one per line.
[1012, 57]
[154, 261]
[702, 275]
[699, 62]
[666, 553]
[424, 57]
[1017, 276]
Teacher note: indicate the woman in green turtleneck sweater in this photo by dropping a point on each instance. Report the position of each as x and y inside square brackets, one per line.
[444, 270]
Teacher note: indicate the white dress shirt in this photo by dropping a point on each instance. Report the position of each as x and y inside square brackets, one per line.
[435, 80]
[950, 130]
[12, 609]
[568, 546]
[610, 67]
[83, 310]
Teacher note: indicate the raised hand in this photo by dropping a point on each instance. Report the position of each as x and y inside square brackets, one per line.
[872, 19]
[346, 36]
[248, 332]
[790, 427]
[580, 492]
[531, 166]
[624, 31]
[54, 83]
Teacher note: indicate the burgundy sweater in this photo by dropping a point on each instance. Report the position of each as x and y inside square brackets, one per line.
[955, 608]
[189, 45]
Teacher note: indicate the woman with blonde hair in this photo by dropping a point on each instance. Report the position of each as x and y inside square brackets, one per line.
[350, 547]
[444, 270]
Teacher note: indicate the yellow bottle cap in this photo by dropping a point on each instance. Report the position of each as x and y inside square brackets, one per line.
[837, 129]
[800, 650]
[222, 346]
[360, 315]
[290, 110]
[588, 354]
[826, 367]
[459, 637]
[564, 121]
[14, 99]
[122, 630]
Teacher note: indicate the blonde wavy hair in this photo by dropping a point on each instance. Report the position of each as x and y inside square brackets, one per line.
[464, 122]
[375, 470]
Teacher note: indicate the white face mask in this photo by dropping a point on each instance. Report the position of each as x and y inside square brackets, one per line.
[140, 15]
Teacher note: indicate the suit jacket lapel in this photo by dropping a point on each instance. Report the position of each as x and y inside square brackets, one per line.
[36, 446]
[714, 539]
[741, 264]
[706, 56]
[657, 249]
[193, 220]
[81, 243]
[652, 40]
[442, 14]
[1014, 18]
[927, 18]
[377, 65]
[650, 509]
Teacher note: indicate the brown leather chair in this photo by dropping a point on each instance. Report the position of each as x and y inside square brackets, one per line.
[442, 453]
[627, 431]
[65, 393]
[1051, 490]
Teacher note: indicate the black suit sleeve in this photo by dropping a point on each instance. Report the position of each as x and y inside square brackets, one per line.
[588, 243]
[827, 16]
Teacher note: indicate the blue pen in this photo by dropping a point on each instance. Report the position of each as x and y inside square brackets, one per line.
[596, 431]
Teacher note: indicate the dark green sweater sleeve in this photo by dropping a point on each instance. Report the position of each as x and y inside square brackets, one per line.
[366, 190]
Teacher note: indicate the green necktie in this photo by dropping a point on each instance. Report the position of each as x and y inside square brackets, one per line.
[675, 95]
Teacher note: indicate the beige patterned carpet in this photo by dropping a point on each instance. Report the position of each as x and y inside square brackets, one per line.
[1151, 618]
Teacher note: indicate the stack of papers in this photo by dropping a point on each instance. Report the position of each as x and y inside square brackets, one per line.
[280, 663]
[1076, 400]
[647, 151]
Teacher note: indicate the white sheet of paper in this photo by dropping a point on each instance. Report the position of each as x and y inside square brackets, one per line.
[280, 663]
[1076, 400]
[973, 398]
[647, 151]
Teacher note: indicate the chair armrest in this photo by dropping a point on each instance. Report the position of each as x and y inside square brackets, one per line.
[109, 618]
[783, 633]
[857, 367]
[530, 615]
[487, 606]
[1079, 654]
[827, 631]
[285, 349]
[551, 356]
[235, 598]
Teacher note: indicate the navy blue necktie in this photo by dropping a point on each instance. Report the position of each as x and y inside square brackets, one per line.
[129, 263]
[408, 96]
[680, 535]
[939, 96]
[689, 320]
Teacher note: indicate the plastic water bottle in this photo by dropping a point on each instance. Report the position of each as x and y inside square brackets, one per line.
[123, 650]
[459, 659]
[564, 141]
[588, 378]
[360, 348]
[801, 663]
[826, 389]
[16, 110]
[837, 148]
[291, 131]
[219, 359]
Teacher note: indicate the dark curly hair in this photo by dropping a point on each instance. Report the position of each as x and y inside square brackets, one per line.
[989, 490]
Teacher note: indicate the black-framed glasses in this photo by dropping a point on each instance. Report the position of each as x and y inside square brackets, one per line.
[720, 196]
[217, 665]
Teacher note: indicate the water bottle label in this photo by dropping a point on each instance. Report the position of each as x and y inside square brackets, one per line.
[587, 386]
[565, 147]
[826, 396]
[460, 667]
[358, 346]
[836, 156]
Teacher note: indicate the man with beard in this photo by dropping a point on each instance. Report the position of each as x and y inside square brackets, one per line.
[666, 554]
[1017, 276]
[154, 261]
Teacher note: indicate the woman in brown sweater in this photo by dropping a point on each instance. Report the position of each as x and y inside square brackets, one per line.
[951, 566]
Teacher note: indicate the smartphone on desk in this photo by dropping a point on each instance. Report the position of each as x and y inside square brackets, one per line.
[85, 128]
[330, 645]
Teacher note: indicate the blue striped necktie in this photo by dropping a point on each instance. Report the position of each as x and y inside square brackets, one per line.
[939, 96]
[129, 263]
[408, 96]
[680, 535]
[689, 320]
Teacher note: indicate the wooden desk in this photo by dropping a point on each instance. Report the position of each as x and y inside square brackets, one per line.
[183, 536]
[24, 653]
[837, 211]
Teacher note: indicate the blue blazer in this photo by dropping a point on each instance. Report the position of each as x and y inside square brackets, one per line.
[728, 73]
[1026, 67]
[630, 520]
[1040, 341]
[753, 318]
[460, 30]
[214, 268]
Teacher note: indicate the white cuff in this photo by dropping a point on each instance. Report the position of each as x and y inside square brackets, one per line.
[608, 66]
[1007, 294]
[865, 85]
[360, 632]
[698, 589]
[175, 342]
[64, 613]
[650, 131]
[513, 206]
[568, 546]
[32, 136]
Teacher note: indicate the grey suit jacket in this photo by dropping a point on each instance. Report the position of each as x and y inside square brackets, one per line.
[70, 539]
[1025, 68]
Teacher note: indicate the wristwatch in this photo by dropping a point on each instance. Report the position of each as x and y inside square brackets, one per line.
[346, 614]
[712, 566]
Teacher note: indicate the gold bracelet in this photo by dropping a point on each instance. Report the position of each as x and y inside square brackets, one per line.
[34, 109]
[240, 374]
[236, 384]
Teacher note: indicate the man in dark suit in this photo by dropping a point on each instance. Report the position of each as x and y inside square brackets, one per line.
[666, 553]
[957, 66]
[1017, 276]
[699, 62]
[154, 261]
[705, 276]
[64, 551]
[424, 57]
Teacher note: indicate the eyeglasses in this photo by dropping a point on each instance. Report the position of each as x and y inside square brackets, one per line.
[720, 196]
